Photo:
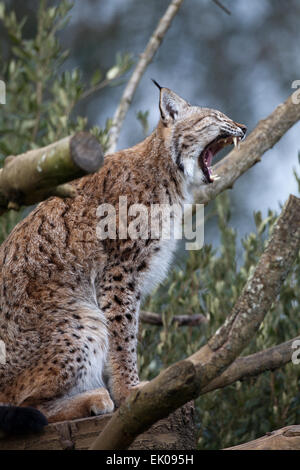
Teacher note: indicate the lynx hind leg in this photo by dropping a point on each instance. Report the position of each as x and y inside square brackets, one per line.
[91, 403]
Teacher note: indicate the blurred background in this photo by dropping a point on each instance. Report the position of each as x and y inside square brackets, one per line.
[242, 64]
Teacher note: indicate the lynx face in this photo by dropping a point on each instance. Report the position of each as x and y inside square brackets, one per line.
[196, 134]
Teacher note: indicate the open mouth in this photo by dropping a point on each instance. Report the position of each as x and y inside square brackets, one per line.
[207, 155]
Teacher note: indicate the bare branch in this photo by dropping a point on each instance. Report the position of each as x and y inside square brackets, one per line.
[217, 2]
[138, 72]
[186, 379]
[255, 364]
[107, 81]
[181, 320]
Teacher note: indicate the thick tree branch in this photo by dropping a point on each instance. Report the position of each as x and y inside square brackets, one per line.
[187, 379]
[37, 174]
[258, 294]
[265, 135]
[182, 320]
[138, 72]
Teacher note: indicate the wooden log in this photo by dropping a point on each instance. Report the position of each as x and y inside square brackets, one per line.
[33, 176]
[287, 438]
[175, 432]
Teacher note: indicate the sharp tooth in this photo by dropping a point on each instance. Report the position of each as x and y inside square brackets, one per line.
[216, 177]
[235, 141]
[238, 142]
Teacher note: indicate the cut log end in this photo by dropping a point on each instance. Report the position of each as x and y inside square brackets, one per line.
[86, 152]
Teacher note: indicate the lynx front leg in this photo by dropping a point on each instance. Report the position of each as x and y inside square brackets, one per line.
[121, 306]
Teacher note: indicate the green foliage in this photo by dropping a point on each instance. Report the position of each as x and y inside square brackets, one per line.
[40, 97]
[209, 282]
[7, 223]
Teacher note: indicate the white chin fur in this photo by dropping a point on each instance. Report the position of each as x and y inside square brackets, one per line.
[198, 178]
[189, 168]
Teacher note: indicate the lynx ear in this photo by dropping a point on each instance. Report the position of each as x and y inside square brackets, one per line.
[170, 104]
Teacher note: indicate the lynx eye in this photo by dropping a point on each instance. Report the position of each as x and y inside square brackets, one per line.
[211, 150]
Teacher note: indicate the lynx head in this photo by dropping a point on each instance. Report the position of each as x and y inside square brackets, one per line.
[196, 134]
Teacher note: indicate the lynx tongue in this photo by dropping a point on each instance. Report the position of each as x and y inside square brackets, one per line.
[210, 151]
[207, 161]
[208, 156]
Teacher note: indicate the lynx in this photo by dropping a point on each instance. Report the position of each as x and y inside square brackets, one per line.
[69, 301]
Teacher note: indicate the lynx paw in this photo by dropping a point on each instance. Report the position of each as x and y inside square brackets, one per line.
[100, 403]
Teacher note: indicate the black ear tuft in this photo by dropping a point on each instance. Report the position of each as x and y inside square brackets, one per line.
[157, 84]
